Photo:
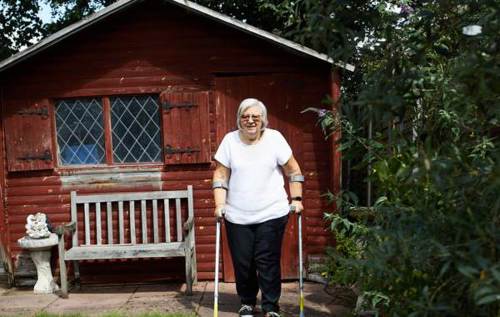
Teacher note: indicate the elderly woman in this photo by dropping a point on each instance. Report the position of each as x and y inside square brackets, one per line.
[249, 192]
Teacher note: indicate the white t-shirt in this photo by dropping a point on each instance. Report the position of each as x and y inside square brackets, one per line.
[256, 186]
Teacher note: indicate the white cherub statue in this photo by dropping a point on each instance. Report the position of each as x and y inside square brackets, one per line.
[36, 226]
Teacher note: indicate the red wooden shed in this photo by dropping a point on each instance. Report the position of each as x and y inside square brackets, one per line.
[81, 111]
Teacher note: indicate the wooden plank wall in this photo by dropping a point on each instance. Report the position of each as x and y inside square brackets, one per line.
[146, 50]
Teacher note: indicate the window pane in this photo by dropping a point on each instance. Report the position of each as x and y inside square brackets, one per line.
[135, 122]
[80, 133]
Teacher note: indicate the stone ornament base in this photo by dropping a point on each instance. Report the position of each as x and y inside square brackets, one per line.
[40, 254]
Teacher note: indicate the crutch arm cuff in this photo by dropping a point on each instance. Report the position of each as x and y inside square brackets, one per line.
[219, 184]
[296, 178]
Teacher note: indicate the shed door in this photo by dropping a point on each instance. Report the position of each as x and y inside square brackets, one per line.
[276, 92]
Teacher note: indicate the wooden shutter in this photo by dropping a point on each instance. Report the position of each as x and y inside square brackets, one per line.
[186, 132]
[28, 135]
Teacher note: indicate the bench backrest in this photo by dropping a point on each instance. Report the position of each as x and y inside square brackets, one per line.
[131, 218]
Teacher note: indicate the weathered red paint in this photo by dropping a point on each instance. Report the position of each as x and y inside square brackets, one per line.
[151, 49]
[28, 135]
[336, 162]
[108, 139]
[286, 95]
[186, 131]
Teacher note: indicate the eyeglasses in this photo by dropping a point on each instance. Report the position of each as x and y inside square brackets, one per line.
[247, 117]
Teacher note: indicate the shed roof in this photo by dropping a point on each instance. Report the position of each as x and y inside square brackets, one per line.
[191, 6]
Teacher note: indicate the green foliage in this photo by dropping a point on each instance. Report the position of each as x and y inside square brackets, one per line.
[259, 13]
[66, 12]
[19, 25]
[431, 90]
[349, 247]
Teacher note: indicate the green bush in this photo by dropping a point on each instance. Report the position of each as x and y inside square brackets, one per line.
[430, 87]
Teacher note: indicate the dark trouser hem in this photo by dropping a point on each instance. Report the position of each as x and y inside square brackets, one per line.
[256, 254]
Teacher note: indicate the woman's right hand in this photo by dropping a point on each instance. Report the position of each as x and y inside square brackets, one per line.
[219, 211]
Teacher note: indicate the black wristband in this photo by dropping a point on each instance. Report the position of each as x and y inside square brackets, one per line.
[297, 198]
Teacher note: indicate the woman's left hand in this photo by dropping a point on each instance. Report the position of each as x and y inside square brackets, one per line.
[296, 206]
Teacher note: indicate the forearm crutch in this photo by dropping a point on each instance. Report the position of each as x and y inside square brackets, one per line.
[301, 273]
[217, 252]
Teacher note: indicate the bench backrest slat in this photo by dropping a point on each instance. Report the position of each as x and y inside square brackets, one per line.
[156, 238]
[87, 223]
[117, 221]
[178, 217]
[109, 214]
[132, 222]
[121, 232]
[144, 222]
[73, 218]
[166, 212]
[172, 194]
[98, 223]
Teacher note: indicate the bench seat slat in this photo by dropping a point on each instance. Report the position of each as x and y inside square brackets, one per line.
[153, 250]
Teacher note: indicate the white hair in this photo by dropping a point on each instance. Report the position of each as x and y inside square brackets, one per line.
[252, 102]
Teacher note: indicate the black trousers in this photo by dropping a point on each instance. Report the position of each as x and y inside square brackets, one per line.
[256, 254]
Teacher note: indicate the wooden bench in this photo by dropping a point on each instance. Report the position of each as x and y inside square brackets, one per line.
[129, 226]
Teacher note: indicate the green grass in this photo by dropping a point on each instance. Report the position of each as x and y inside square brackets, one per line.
[117, 314]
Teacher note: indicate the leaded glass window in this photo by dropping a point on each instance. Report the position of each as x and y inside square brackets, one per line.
[80, 133]
[135, 125]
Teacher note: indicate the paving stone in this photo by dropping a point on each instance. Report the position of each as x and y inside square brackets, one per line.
[15, 302]
[130, 299]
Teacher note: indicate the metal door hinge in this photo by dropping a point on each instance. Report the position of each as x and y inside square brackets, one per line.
[43, 112]
[172, 150]
[181, 105]
[46, 156]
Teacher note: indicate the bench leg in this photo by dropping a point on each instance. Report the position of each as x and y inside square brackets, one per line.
[62, 270]
[76, 268]
[189, 279]
[194, 270]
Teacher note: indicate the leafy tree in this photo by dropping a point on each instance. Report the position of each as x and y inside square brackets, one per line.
[259, 13]
[20, 25]
[66, 12]
[430, 88]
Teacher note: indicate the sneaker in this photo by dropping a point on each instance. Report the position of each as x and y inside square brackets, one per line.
[272, 314]
[246, 311]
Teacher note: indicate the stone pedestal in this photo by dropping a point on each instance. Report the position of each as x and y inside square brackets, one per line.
[40, 254]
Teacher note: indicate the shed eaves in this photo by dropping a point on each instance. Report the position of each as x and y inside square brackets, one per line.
[191, 6]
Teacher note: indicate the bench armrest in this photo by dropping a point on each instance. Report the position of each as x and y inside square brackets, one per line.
[65, 227]
[188, 225]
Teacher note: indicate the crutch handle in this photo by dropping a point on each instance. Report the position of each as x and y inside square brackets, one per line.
[293, 209]
[222, 213]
